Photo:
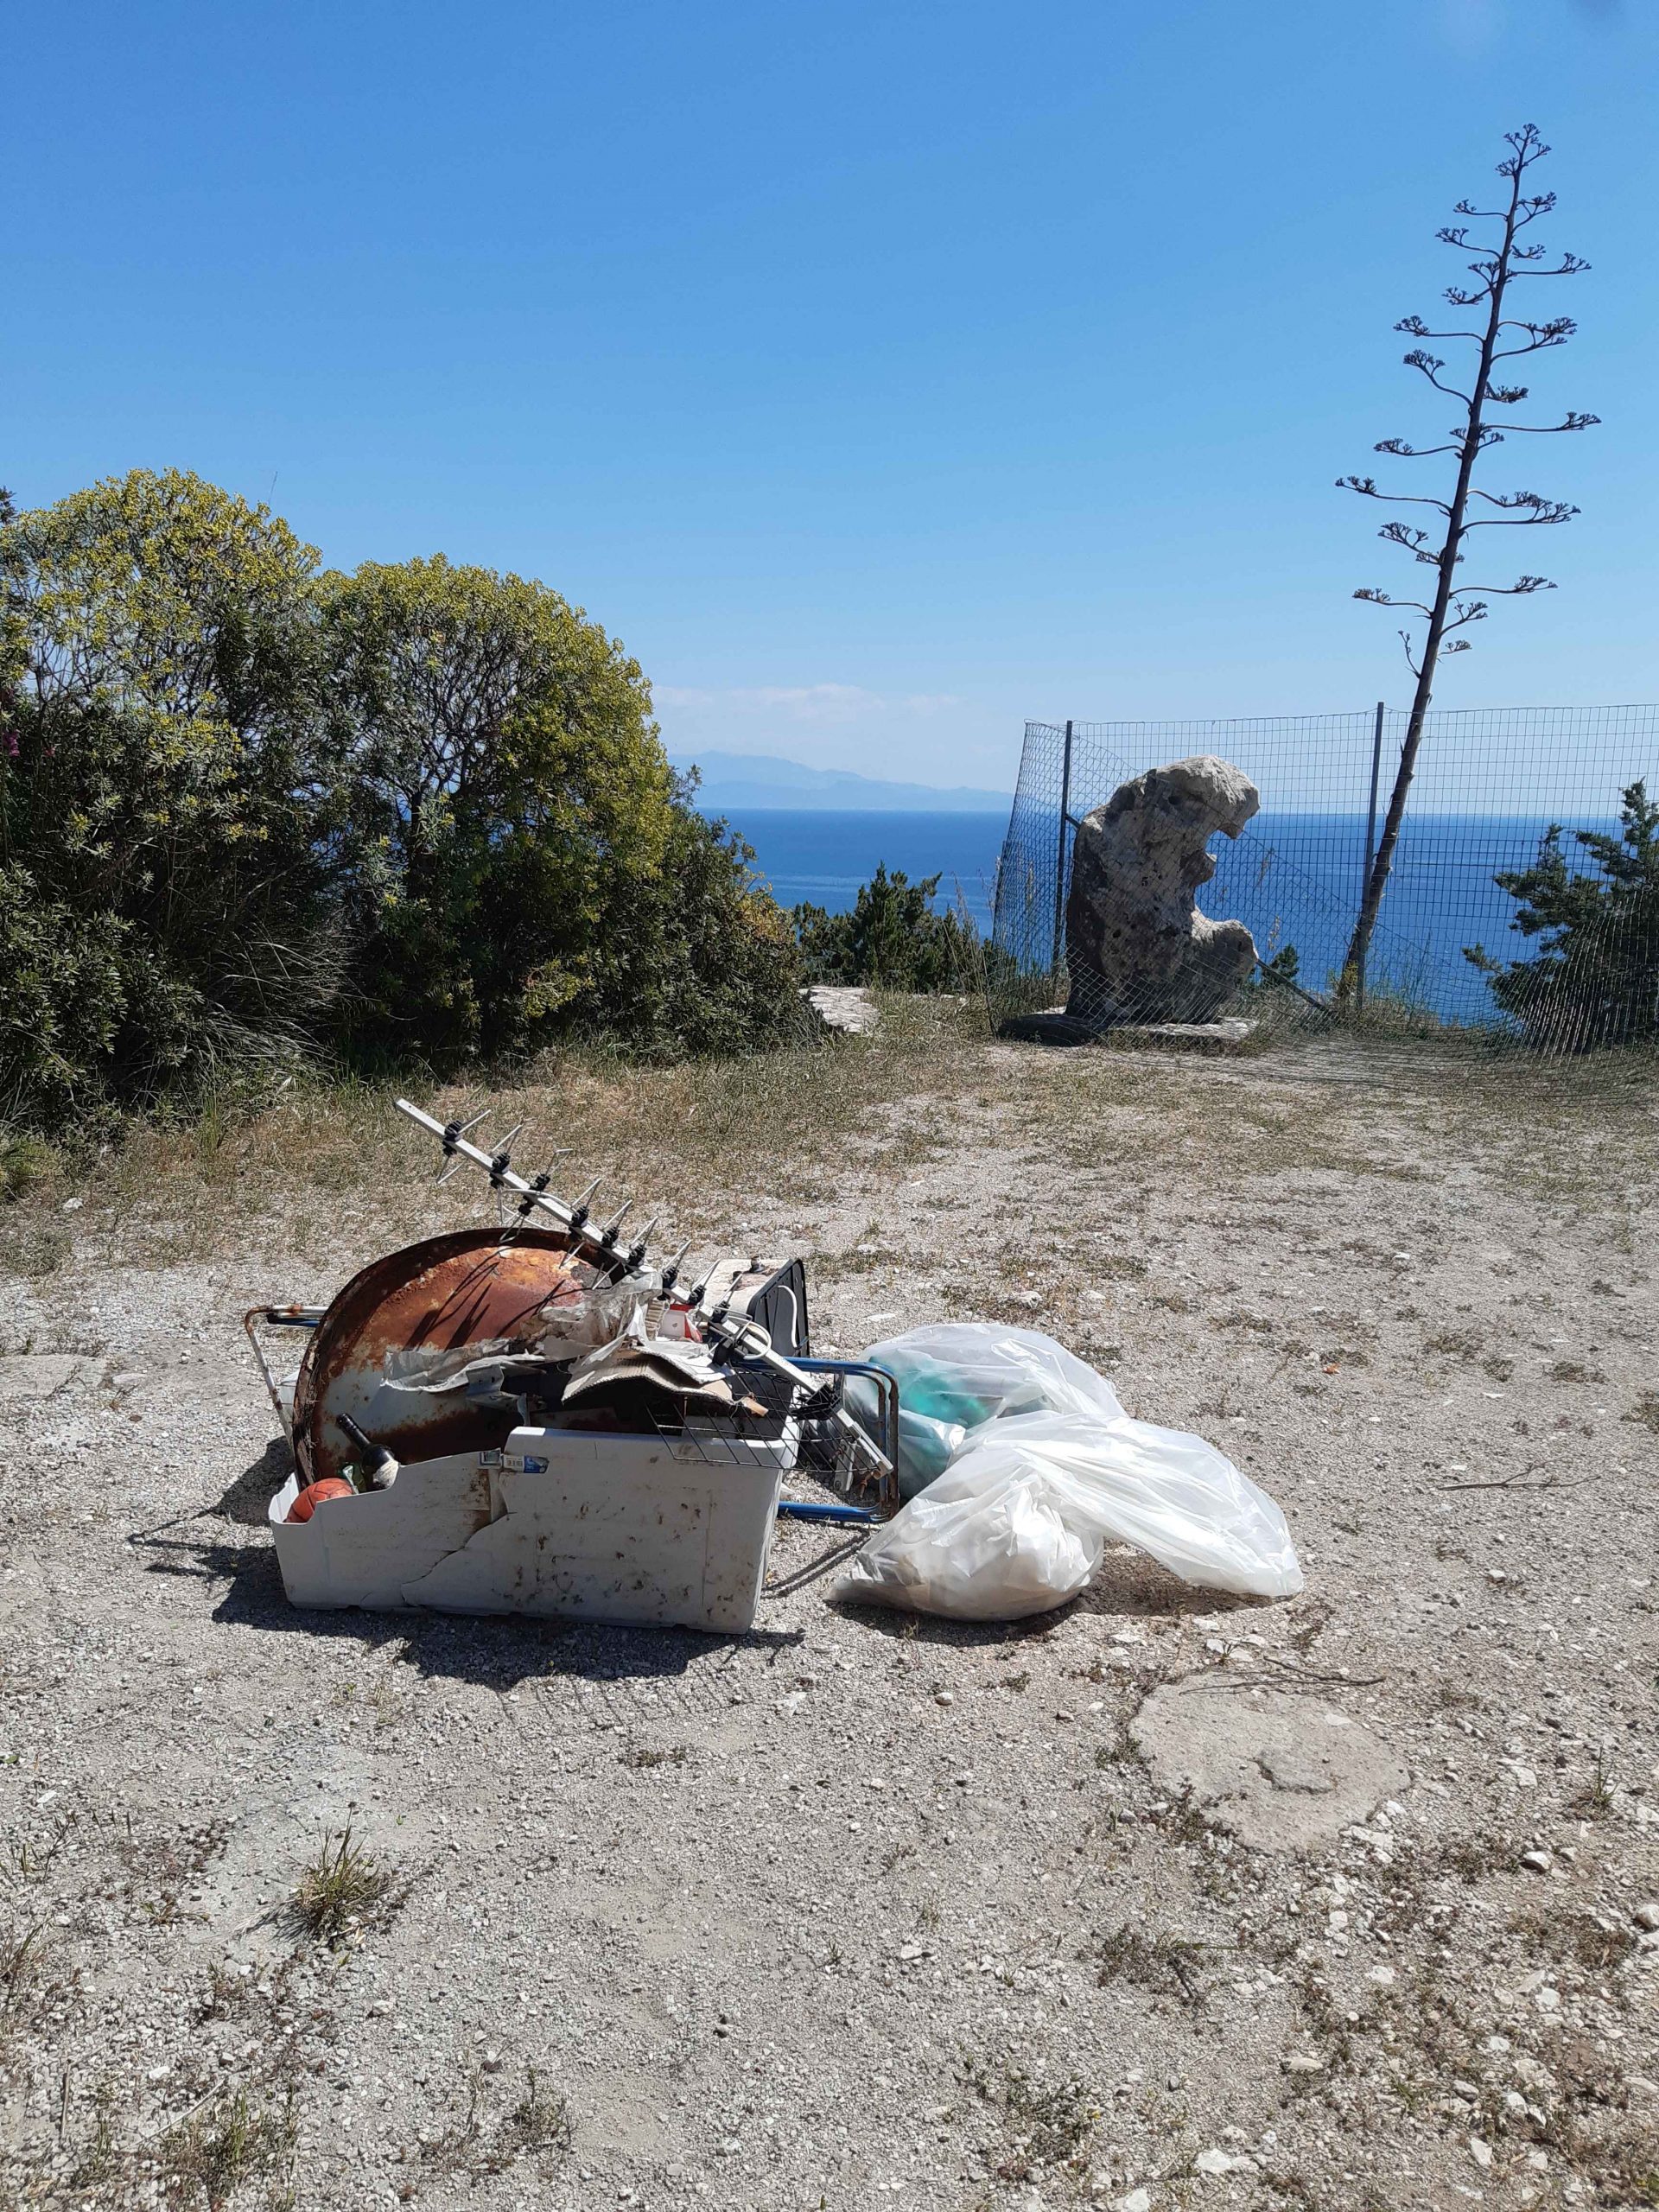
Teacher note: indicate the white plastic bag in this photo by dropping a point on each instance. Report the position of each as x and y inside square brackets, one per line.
[1018, 1521]
[956, 1375]
[1002, 1551]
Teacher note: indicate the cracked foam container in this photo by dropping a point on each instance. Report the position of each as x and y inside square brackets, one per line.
[638, 1530]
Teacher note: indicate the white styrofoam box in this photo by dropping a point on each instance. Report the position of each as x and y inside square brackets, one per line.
[666, 1531]
[361, 1550]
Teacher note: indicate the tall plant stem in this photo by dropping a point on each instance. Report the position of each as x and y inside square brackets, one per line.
[1383, 860]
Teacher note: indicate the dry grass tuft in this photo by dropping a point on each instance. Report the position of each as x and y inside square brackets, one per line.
[538, 2126]
[345, 1889]
[29, 1990]
[239, 2139]
[1167, 1965]
[1048, 2124]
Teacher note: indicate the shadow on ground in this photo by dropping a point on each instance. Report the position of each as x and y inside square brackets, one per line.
[495, 1651]
[1132, 1587]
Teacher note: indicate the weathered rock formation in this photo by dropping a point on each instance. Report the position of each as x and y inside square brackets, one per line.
[1137, 947]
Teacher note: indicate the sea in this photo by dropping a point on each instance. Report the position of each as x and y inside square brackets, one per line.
[1293, 878]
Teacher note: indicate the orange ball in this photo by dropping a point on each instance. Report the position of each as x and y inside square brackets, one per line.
[315, 1493]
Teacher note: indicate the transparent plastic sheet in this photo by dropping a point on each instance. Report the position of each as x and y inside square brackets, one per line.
[956, 1375]
[1027, 1501]
[582, 1331]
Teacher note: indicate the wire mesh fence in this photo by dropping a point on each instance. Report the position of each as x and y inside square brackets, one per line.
[1521, 913]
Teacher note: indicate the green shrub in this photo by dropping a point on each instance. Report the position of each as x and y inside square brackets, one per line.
[700, 958]
[1596, 979]
[165, 798]
[892, 938]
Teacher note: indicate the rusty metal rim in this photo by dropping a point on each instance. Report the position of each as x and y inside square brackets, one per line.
[464, 1311]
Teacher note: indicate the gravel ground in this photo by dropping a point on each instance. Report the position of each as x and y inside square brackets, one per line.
[1351, 1901]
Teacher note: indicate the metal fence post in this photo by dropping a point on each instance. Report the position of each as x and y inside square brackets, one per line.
[1060, 854]
[1370, 851]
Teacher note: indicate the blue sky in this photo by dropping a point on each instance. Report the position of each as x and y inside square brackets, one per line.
[882, 374]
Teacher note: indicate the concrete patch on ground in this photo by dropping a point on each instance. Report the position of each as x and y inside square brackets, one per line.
[1282, 1772]
[37, 1375]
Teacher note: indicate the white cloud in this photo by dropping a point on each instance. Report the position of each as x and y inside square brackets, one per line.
[816, 703]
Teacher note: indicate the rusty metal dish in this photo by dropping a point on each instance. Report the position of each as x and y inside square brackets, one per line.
[446, 1292]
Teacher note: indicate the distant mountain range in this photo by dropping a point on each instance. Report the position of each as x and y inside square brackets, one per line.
[747, 783]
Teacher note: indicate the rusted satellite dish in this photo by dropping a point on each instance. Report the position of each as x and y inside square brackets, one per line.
[440, 1295]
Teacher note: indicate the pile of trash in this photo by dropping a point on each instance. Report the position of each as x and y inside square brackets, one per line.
[540, 1417]
[1019, 1466]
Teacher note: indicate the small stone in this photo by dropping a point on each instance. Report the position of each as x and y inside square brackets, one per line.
[1480, 2151]
[944, 1697]
[1221, 2162]
[1304, 2061]
[1138, 2200]
[1538, 1861]
[492, 2062]
[1646, 1916]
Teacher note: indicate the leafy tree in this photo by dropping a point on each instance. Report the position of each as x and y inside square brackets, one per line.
[165, 795]
[248, 811]
[1500, 263]
[522, 860]
[893, 937]
[1596, 978]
